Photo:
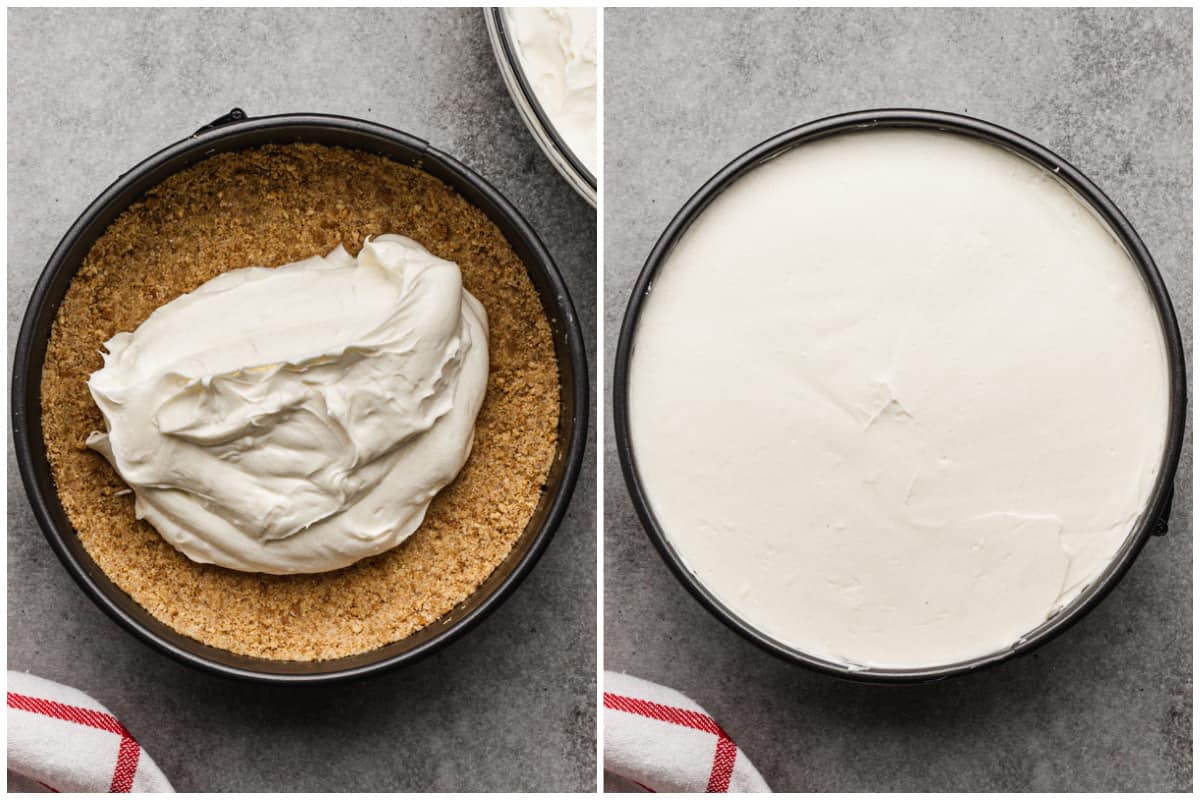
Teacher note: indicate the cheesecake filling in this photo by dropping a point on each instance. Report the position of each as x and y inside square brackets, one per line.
[297, 419]
[556, 48]
[897, 397]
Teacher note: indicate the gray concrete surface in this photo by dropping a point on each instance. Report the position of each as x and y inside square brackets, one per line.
[90, 93]
[1107, 706]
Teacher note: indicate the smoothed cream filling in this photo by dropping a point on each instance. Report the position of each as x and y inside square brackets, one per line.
[897, 397]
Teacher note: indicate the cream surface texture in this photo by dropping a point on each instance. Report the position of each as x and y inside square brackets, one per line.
[897, 397]
[556, 48]
[300, 418]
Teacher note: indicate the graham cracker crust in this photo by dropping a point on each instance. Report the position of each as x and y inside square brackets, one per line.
[268, 207]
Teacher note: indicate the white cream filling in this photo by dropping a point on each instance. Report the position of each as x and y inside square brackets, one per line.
[300, 418]
[556, 48]
[897, 397]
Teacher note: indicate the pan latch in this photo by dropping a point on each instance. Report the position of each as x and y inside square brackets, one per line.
[236, 115]
[1159, 526]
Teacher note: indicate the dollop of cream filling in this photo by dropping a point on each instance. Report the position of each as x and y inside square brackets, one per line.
[298, 418]
[556, 48]
[898, 397]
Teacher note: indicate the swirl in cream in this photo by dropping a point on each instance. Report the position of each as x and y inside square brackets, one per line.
[300, 418]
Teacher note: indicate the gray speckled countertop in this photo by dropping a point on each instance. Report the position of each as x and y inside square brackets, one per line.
[1108, 705]
[90, 93]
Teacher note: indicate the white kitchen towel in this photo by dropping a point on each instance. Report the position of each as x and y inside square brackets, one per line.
[662, 741]
[64, 740]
